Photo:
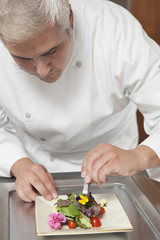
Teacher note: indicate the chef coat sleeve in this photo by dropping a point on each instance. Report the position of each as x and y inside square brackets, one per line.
[137, 64]
[11, 149]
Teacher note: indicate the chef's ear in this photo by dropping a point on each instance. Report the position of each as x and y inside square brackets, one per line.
[71, 17]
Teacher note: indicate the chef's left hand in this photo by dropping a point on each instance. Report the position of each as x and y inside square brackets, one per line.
[106, 159]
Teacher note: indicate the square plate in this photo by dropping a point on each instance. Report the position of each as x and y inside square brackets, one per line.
[114, 219]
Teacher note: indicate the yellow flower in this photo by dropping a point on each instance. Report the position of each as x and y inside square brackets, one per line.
[83, 200]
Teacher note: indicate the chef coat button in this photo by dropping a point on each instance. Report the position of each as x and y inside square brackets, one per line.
[28, 115]
[78, 64]
[42, 139]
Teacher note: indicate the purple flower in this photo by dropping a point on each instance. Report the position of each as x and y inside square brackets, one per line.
[55, 219]
[78, 198]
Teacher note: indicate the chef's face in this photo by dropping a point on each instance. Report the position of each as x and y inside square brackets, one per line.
[45, 56]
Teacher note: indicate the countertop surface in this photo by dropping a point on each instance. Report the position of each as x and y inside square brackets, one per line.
[139, 196]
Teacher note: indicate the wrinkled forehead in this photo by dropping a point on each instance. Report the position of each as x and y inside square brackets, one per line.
[41, 43]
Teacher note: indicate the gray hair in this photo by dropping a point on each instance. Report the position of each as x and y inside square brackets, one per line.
[23, 19]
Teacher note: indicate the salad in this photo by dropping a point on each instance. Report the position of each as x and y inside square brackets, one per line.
[77, 211]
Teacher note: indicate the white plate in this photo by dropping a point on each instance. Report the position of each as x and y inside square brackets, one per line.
[114, 219]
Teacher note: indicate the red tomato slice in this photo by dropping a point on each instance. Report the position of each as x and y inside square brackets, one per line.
[102, 210]
[72, 225]
[95, 222]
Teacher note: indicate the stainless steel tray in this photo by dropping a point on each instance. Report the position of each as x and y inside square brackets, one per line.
[143, 210]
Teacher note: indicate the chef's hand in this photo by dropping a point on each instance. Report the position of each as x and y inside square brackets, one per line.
[106, 159]
[30, 175]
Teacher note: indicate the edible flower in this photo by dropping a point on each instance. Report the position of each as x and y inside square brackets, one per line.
[83, 199]
[55, 219]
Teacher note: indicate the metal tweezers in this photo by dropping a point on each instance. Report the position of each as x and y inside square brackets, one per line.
[85, 189]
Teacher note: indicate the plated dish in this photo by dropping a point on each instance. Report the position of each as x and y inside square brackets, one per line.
[114, 219]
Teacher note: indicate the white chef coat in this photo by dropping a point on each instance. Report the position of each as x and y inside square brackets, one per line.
[115, 68]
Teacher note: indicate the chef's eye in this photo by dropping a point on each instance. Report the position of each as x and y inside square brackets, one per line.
[52, 51]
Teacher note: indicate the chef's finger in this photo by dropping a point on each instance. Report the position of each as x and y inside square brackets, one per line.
[83, 168]
[54, 192]
[89, 159]
[105, 165]
[45, 184]
[26, 192]
[41, 187]
[112, 167]
[104, 172]
[96, 168]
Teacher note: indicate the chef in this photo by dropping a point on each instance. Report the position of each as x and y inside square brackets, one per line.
[72, 75]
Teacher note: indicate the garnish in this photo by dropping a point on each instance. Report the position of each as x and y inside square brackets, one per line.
[83, 199]
[55, 219]
[77, 210]
[72, 224]
[95, 222]
[103, 203]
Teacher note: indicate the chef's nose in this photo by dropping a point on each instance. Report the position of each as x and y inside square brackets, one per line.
[43, 67]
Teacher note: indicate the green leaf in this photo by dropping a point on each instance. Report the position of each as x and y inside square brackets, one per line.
[70, 211]
[59, 200]
[72, 196]
[83, 221]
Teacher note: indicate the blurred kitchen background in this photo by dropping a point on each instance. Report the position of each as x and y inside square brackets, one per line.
[148, 14]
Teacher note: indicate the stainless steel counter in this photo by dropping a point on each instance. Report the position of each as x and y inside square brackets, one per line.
[139, 196]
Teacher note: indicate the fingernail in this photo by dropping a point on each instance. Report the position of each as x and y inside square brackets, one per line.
[54, 195]
[87, 179]
[82, 174]
[49, 198]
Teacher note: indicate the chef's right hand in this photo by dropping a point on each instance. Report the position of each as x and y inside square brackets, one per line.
[29, 176]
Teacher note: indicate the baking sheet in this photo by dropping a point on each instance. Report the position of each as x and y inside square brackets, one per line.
[115, 218]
